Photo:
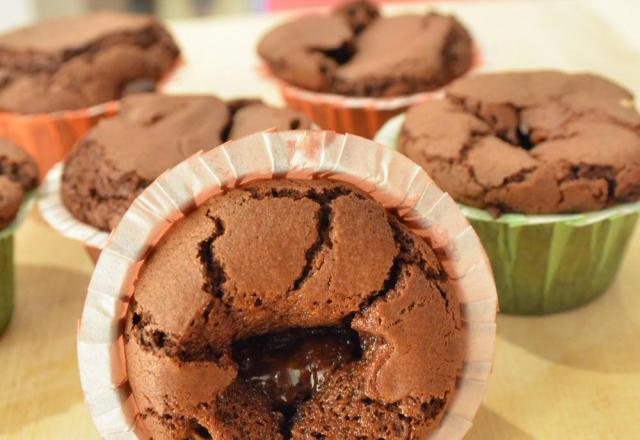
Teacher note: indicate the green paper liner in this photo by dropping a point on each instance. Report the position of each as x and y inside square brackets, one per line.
[547, 263]
[550, 266]
[7, 265]
[6, 281]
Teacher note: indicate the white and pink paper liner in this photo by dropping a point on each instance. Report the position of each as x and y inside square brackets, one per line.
[58, 216]
[390, 178]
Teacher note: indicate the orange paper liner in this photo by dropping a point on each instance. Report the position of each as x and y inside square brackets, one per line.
[59, 218]
[389, 177]
[362, 116]
[49, 137]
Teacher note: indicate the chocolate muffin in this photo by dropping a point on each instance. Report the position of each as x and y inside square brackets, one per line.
[76, 62]
[256, 316]
[353, 51]
[530, 142]
[122, 155]
[18, 174]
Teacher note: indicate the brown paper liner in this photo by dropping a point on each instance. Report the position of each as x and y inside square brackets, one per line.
[390, 178]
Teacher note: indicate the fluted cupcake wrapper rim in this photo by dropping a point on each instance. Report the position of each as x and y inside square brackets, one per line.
[390, 178]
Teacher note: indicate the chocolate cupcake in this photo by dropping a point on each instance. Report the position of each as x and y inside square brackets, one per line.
[57, 69]
[122, 155]
[18, 176]
[535, 142]
[355, 52]
[232, 300]
[314, 343]
[77, 62]
[518, 145]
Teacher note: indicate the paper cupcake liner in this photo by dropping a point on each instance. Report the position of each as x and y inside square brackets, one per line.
[48, 137]
[59, 218]
[362, 116]
[547, 263]
[390, 178]
[7, 265]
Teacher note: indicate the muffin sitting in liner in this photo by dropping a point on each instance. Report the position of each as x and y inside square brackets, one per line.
[53, 72]
[563, 145]
[18, 175]
[122, 155]
[353, 51]
[256, 317]
[77, 62]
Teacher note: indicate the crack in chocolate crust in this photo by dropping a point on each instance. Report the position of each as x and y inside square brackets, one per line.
[214, 272]
[323, 219]
[151, 338]
[546, 133]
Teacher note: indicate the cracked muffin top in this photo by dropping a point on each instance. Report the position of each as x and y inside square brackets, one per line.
[530, 142]
[77, 62]
[292, 309]
[353, 51]
[122, 155]
[18, 174]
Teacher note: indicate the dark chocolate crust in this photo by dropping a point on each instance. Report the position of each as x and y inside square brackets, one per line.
[121, 156]
[531, 142]
[76, 62]
[353, 51]
[18, 174]
[282, 255]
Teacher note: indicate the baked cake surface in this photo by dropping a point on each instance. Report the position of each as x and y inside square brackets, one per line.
[530, 142]
[354, 51]
[292, 309]
[77, 62]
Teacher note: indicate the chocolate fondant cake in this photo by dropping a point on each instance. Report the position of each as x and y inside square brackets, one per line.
[289, 309]
[76, 62]
[18, 174]
[354, 51]
[122, 155]
[531, 142]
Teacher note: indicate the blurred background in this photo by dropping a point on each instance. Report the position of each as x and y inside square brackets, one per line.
[19, 12]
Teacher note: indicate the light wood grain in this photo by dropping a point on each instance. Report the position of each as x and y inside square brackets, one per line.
[569, 376]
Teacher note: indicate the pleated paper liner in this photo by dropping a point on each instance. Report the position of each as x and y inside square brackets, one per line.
[547, 263]
[48, 137]
[59, 218]
[390, 178]
[362, 116]
[7, 264]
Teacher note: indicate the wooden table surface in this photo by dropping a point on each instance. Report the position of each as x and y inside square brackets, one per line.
[574, 375]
